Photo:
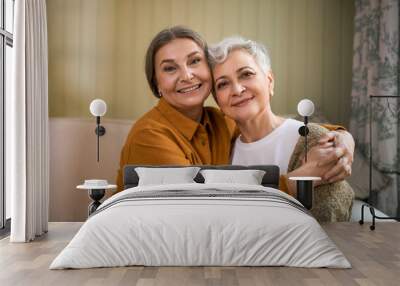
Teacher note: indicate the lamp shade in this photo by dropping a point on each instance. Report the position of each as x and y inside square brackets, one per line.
[305, 107]
[98, 107]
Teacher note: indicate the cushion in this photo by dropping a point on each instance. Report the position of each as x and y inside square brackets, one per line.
[270, 179]
[163, 176]
[249, 177]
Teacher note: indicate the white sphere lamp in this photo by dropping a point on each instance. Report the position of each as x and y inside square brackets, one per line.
[98, 108]
[305, 107]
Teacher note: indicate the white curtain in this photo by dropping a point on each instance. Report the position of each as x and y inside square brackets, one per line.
[27, 124]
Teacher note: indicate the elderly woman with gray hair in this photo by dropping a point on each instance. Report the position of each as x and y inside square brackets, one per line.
[243, 88]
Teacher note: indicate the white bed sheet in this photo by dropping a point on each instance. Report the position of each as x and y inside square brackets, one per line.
[200, 231]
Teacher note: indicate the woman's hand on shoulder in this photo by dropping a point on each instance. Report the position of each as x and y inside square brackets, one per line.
[343, 143]
[323, 155]
[331, 160]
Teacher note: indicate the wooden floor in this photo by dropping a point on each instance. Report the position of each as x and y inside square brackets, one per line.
[374, 255]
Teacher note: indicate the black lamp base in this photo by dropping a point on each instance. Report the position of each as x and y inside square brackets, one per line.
[305, 189]
[96, 195]
[305, 193]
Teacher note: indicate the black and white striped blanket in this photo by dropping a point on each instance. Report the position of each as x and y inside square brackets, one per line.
[244, 192]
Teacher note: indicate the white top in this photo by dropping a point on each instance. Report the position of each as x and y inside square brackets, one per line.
[274, 149]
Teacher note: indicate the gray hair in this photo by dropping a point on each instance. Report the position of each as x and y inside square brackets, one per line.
[219, 52]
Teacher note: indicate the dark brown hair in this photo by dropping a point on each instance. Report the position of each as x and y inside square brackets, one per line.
[163, 38]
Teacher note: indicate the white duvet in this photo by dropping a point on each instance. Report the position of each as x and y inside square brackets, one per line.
[183, 231]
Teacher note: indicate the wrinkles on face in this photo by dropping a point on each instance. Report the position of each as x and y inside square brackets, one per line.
[242, 88]
[183, 76]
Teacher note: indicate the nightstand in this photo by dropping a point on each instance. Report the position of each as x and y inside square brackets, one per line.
[96, 190]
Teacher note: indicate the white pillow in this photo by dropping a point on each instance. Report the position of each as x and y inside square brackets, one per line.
[248, 177]
[165, 176]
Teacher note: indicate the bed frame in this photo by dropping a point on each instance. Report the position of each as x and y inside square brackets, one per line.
[270, 179]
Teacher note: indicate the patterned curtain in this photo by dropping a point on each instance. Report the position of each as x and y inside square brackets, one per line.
[376, 72]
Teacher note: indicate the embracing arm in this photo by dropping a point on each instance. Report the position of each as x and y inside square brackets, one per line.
[331, 159]
[320, 161]
[344, 144]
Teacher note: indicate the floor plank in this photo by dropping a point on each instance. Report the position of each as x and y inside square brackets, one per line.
[374, 255]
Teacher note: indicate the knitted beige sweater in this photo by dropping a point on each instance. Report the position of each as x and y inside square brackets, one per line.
[331, 202]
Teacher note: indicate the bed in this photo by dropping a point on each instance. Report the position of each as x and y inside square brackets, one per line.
[201, 223]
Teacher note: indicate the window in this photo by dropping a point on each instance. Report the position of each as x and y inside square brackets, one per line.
[6, 60]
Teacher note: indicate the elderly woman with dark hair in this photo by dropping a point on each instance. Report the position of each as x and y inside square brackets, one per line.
[244, 86]
[179, 130]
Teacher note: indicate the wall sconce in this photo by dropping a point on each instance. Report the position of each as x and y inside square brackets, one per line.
[98, 108]
[305, 108]
[305, 184]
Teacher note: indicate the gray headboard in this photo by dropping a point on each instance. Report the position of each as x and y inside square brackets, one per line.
[270, 179]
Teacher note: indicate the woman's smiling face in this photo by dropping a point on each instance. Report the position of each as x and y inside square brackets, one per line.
[242, 88]
[182, 74]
